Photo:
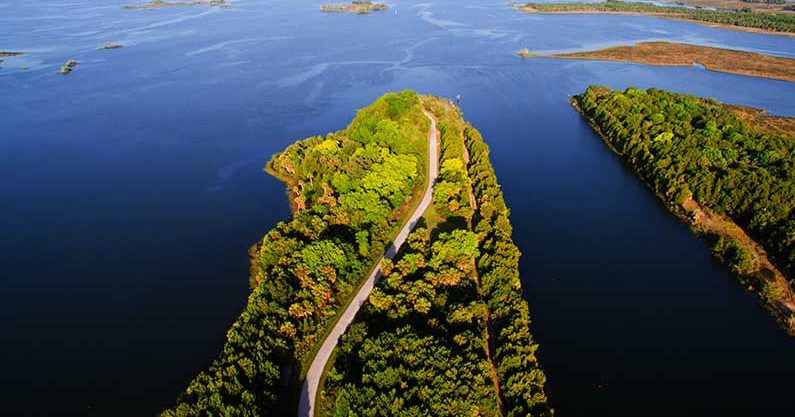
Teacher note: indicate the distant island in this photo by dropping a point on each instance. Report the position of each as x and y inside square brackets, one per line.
[781, 23]
[110, 46]
[158, 4]
[678, 54]
[356, 6]
[725, 170]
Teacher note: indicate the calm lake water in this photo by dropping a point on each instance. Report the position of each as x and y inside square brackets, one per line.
[132, 188]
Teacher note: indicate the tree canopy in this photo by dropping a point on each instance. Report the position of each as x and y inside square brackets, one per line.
[446, 330]
[687, 147]
[347, 190]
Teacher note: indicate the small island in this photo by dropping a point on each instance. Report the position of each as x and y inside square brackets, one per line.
[679, 54]
[159, 4]
[70, 65]
[724, 170]
[746, 19]
[110, 46]
[356, 6]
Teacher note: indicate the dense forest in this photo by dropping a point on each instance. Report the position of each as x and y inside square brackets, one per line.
[687, 148]
[446, 331]
[350, 191]
[777, 22]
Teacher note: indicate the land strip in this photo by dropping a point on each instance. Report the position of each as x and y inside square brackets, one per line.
[757, 6]
[351, 191]
[309, 391]
[678, 54]
[445, 332]
[779, 23]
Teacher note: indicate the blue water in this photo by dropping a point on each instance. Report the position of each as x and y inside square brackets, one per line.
[132, 188]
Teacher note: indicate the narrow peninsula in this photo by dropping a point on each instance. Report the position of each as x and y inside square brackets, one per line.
[678, 54]
[782, 23]
[446, 330]
[725, 170]
[350, 192]
[356, 6]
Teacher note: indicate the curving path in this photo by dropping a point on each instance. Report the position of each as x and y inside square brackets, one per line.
[309, 389]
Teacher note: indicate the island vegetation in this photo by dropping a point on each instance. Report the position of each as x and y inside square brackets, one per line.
[678, 54]
[110, 46]
[159, 4]
[349, 192]
[356, 6]
[68, 67]
[771, 6]
[446, 331]
[724, 169]
[744, 19]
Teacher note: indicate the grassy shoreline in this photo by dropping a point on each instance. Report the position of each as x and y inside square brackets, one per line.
[782, 24]
[678, 54]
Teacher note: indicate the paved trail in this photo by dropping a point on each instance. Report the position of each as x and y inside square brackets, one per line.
[309, 389]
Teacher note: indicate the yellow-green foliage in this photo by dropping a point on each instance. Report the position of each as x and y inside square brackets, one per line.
[417, 347]
[345, 188]
[778, 22]
[683, 145]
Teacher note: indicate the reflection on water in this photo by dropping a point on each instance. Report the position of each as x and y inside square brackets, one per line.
[133, 188]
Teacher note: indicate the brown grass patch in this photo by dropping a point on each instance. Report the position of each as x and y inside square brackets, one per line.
[679, 54]
[773, 125]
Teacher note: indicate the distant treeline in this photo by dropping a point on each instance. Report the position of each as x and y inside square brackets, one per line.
[777, 22]
[765, 1]
[446, 331]
[685, 147]
[349, 191]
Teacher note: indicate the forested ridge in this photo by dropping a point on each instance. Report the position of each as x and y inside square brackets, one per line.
[446, 330]
[777, 22]
[692, 149]
[349, 191]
